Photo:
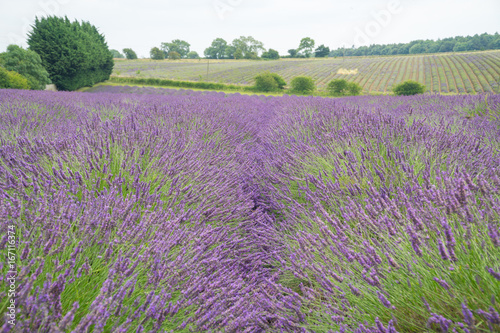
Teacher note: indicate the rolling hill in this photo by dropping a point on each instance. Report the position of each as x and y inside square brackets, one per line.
[468, 72]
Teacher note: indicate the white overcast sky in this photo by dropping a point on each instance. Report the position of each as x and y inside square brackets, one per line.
[279, 24]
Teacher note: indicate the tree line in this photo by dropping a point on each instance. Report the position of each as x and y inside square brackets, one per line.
[250, 48]
[453, 44]
[244, 47]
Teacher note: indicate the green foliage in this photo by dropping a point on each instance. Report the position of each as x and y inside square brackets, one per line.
[174, 55]
[249, 46]
[293, 53]
[341, 87]
[177, 45]
[322, 51]
[408, 88]
[302, 85]
[417, 48]
[116, 54]
[193, 55]
[129, 53]
[268, 82]
[217, 49]
[251, 55]
[12, 80]
[74, 54]
[179, 84]
[229, 52]
[354, 89]
[238, 54]
[306, 46]
[460, 47]
[279, 80]
[156, 54]
[28, 64]
[452, 44]
[271, 54]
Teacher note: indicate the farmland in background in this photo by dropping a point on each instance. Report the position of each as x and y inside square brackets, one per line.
[470, 72]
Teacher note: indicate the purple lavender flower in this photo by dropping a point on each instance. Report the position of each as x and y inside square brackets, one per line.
[442, 283]
[385, 301]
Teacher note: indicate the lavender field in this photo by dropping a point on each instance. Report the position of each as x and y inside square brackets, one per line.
[158, 210]
[457, 73]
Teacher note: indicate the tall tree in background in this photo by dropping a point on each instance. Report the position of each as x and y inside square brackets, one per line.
[116, 54]
[129, 53]
[156, 54]
[217, 49]
[322, 51]
[27, 63]
[177, 45]
[306, 45]
[249, 46]
[74, 54]
[293, 53]
[271, 54]
[193, 55]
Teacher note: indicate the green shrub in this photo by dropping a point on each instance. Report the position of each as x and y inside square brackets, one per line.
[354, 89]
[302, 85]
[267, 82]
[408, 88]
[337, 87]
[341, 87]
[279, 80]
[28, 64]
[12, 80]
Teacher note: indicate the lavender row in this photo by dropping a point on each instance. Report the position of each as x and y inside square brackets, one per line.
[390, 210]
[198, 212]
[136, 213]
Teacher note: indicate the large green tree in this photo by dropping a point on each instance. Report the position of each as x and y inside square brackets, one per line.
[249, 46]
[271, 54]
[322, 51]
[293, 53]
[156, 54]
[74, 54]
[27, 63]
[177, 45]
[217, 49]
[306, 46]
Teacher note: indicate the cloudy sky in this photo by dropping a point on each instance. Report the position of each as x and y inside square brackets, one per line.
[279, 24]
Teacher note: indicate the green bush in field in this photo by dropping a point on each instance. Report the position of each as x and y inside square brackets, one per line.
[267, 82]
[408, 88]
[28, 64]
[12, 80]
[341, 87]
[302, 85]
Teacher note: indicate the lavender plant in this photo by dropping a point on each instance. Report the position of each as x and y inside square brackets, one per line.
[142, 209]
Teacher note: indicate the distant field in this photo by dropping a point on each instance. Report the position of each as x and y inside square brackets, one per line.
[444, 73]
